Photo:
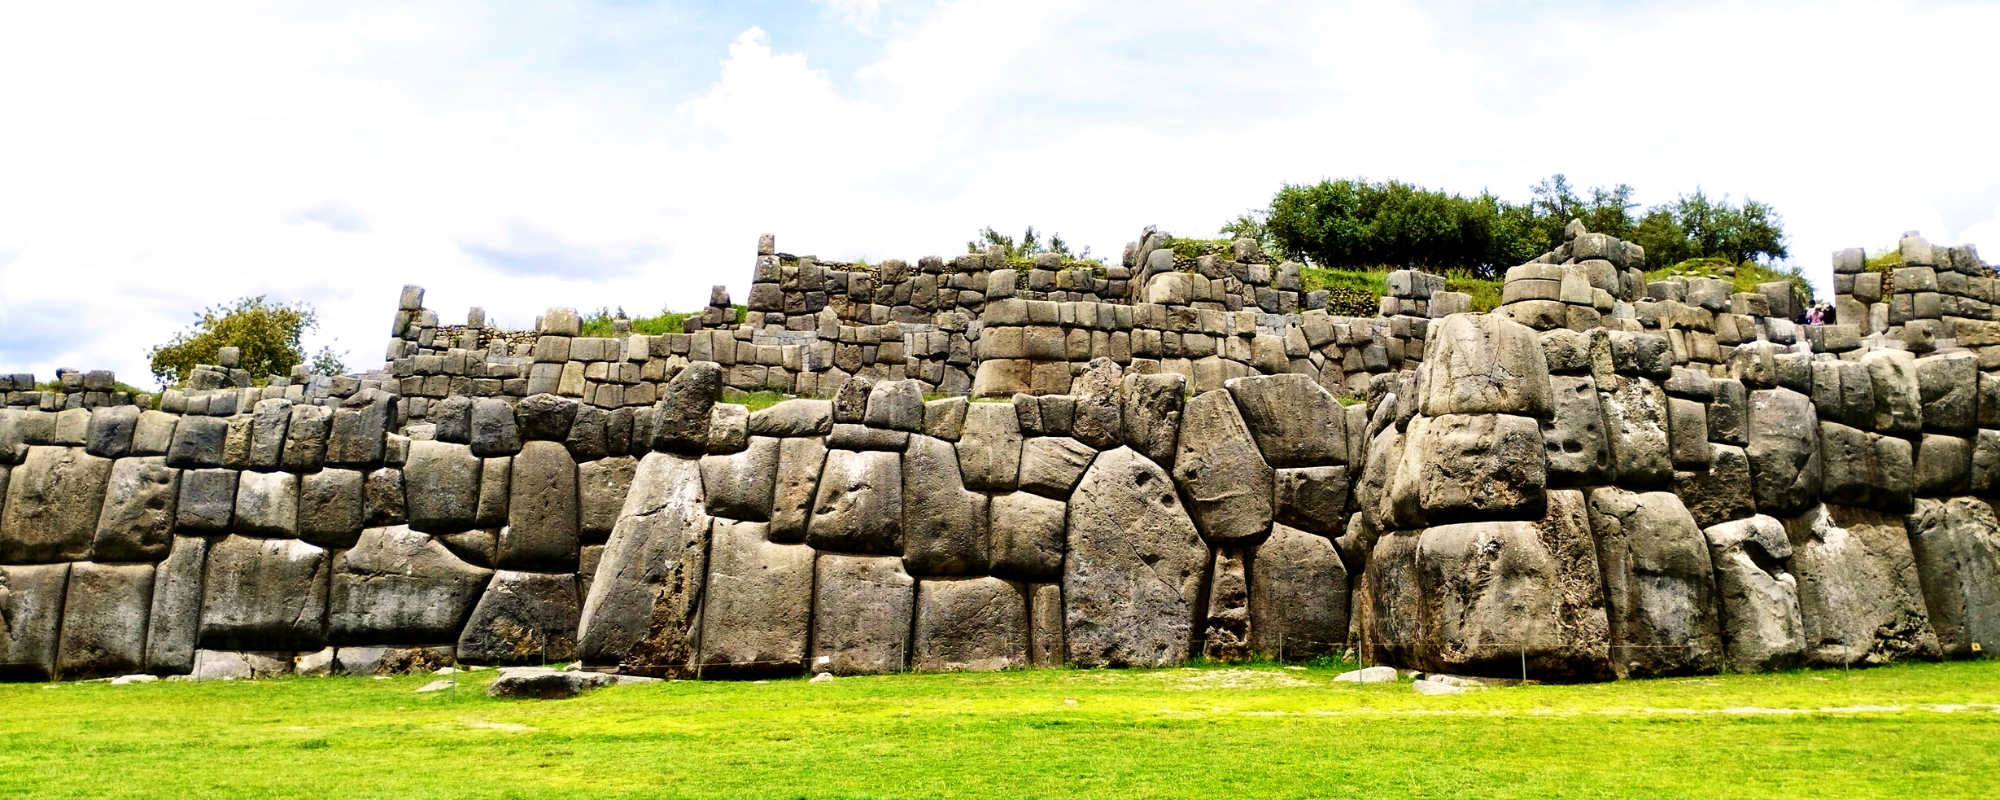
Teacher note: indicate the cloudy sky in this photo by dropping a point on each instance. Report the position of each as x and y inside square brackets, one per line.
[161, 157]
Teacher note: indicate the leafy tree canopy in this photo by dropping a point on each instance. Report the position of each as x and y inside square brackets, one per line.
[265, 334]
[1028, 246]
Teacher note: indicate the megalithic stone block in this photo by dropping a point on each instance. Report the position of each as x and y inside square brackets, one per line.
[758, 611]
[862, 609]
[644, 603]
[1133, 571]
[104, 620]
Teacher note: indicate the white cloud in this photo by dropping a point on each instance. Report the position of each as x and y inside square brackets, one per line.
[858, 13]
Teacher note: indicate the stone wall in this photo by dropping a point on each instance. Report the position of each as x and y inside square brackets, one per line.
[1603, 478]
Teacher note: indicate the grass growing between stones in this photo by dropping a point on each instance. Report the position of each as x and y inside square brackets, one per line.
[1922, 730]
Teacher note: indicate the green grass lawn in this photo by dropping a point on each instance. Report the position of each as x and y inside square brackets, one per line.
[1922, 730]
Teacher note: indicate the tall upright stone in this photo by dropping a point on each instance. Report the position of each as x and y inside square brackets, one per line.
[645, 603]
[1133, 573]
[1224, 476]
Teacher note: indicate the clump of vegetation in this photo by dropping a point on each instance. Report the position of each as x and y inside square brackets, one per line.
[755, 401]
[266, 335]
[1358, 293]
[1020, 253]
[603, 322]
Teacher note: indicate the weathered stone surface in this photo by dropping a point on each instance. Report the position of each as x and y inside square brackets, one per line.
[330, 507]
[305, 438]
[862, 607]
[174, 623]
[386, 661]
[442, 480]
[1132, 576]
[1051, 465]
[545, 417]
[111, 430]
[587, 438]
[1045, 625]
[970, 625]
[741, 486]
[523, 618]
[542, 517]
[1313, 498]
[1498, 594]
[1635, 420]
[859, 507]
[1484, 364]
[267, 504]
[475, 547]
[230, 665]
[796, 487]
[1898, 404]
[989, 452]
[268, 425]
[1298, 596]
[1948, 389]
[1027, 536]
[356, 436]
[1225, 627]
[944, 525]
[398, 586]
[1759, 601]
[1218, 467]
[31, 606]
[1784, 453]
[1295, 421]
[1100, 402]
[1956, 545]
[136, 522]
[601, 486]
[643, 607]
[264, 593]
[1482, 466]
[527, 683]
[494, 432]
[154, 433]
[1151, 417]
[1859, 595]
[198, 442]
[1578, 453]
[52, 505]
[104, 620]
[1944, 465]
[728, 428]
[1722, 493]
[944, 418]
[759, 606]
[680, 420]
[800, 417]
[1395, 615]
[895, 405]
[1659, 584]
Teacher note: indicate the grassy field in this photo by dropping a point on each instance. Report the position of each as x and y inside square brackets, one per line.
[1909, 731]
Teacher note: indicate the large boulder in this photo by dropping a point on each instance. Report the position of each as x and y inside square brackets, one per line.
[601, 487]
[1859, 595]
[1027, 536]
[1948, 389]
[1151, 417]
[1296, 422]
[1659, 584]
[53, 501]
[1761, 626]
[523, 618]
[1578, 452]
[542, 532]
[1313, 498]
[1298, 596]
[136, 522]
[741, 485]
[1219, 468]
[644, 604]
[944, 525]
[104, 620]
[31, 611]
[680, 420]
[1484, 364]
[989, 449]
[859, 508]
[1898, 403]
[442, 480]
[970, 625]
[796, 486]
[1099, 405]
[1635, 419]
[1482, 466]
[1956, 545]
[1721, 492]
[862, 607]
[264, 594]
[399, 586]
[1132, 576]
[1784, 451]
[1051, 465]
[330, 507]
[267, 504]
[759, 605]
[174, 622]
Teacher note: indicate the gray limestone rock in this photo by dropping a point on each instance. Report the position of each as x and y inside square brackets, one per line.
[174, 621]
[1898, 403]
[989, 452]
[269, 422]
[1635, 419]
[796, 486]
[388, 661]
[206, 501]
[1313, 498]
[518, 684]
[587, 439]
[1045, 625]
[523, 618]
[799, 417]
[895, 405]
[1722, 493]
[477, 547]
[442, 480]
[944, 525]
[1943, 465]
[1296, 422]
[1578, 453]
[644, 605]
[970, 625]
[267, 504]
[1133, 571]
[1028, 535]
[104, 620]
[680, 420]
[53, 501]
[496, 482]
[741, 486]
[31, 604]
[494, 432]
[381, 498]
[1098, 418]
[1225, 628]
[1298, 596]
[1956, 545]
[357, 434]
[1948, 388]
[136, 522]
[1784, 451]
[330, 507]
[305, 439]
[859, 505]
[1151, 417]
[1481, 466]
[399, 586]
[1484, 364]
[944, 418]
[1759, 601]
[1860, 597]
[601, 487]
[264, 593]
[1687, 433]
[111, 429]
[453, 418]
[1051, 465]
[545, 417]
[862, 614]
[541, 532]
[728, 428]
[198, 442]
[850, 403]
[1218, 467]
[230, 665]
[1729, 415]
[756, 616]
[154, 433]
[1659, 584]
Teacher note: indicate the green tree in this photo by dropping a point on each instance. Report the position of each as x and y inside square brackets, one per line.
[1028, 246]
[265, 334]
